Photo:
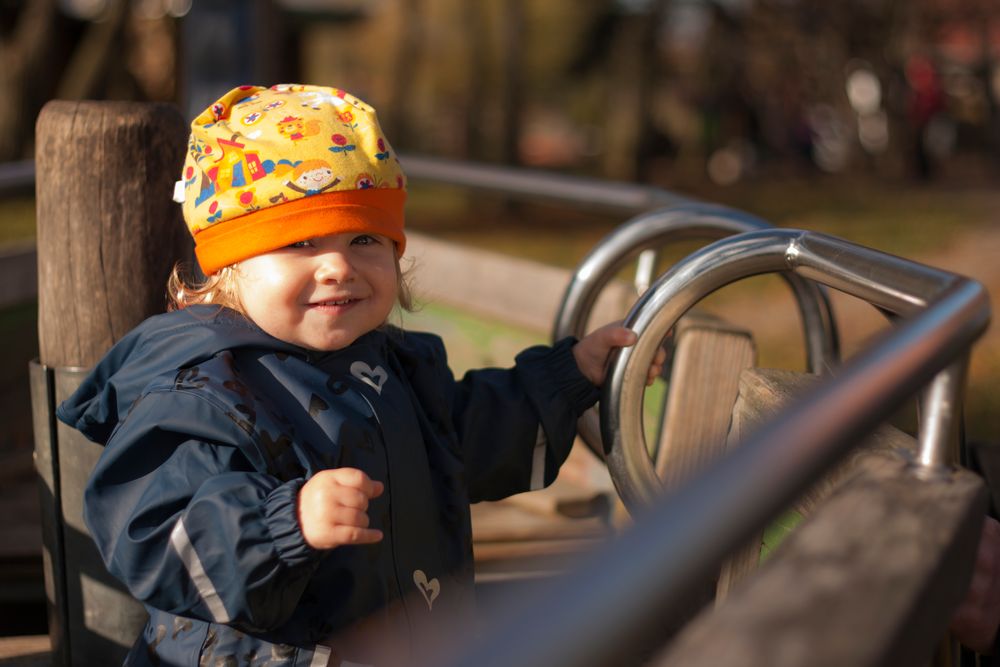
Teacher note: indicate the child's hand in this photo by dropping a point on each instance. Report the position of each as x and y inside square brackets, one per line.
[333, 508]
[591, 353]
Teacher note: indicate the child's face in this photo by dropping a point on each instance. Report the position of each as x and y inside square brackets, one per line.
[324, 293]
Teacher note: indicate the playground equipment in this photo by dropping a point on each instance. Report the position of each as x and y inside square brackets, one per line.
[891, 594]
[630, 596]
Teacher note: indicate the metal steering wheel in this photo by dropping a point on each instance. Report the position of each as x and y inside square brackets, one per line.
[655, 229]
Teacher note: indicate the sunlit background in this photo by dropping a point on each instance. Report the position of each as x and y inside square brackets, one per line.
[874, 120]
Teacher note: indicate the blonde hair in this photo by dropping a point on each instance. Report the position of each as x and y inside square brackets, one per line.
[222, 289]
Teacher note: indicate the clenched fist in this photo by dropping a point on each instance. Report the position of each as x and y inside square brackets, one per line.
[333, 508]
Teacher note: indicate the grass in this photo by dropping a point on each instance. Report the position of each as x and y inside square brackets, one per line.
[17, 219]
[472, 341]
[777, 531]
[905, 220]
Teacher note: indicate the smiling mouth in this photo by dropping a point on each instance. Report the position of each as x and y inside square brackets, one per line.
[334, 303]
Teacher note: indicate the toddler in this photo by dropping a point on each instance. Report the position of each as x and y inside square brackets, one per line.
[284, 472]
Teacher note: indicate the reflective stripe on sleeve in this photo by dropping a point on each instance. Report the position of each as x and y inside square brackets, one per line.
[321, 656]
[185, 551]
[538, 462]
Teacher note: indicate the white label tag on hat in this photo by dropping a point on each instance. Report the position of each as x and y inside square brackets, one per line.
[179, 192]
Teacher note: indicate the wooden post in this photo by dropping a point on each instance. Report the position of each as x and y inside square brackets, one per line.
[108, 235]
[108, 230]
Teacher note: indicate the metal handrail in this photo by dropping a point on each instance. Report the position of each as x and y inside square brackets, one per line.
[589, 193]
[628, 590]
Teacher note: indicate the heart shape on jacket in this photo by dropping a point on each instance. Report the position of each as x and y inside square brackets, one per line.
[373, 377]
[430, 589]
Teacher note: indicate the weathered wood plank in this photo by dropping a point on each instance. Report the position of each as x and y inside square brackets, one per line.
[762, 393]
[498, 286]
[25, 651]
[709, 357]
[567, 499]
[765, 391]
[870, 579]
[503, 522]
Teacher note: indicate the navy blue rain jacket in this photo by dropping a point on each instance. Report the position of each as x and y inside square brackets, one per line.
[211, 428]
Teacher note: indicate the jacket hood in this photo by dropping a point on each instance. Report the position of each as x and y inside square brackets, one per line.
[160, 344]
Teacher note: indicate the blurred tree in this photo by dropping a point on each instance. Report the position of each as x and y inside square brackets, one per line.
[92, 60]
[477, 31]
[46, 54]
[512, 87]
[403, 74]
[228, 44]
[778, 73]
[624, 49]
[25, 45]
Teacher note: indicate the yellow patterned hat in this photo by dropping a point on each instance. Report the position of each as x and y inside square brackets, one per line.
[267, 167]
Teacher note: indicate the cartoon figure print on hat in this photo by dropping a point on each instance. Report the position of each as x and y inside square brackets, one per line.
[267, 167]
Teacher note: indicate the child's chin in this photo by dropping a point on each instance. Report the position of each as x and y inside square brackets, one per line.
[329, 343]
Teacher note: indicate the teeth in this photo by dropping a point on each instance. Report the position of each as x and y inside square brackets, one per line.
[336, 303]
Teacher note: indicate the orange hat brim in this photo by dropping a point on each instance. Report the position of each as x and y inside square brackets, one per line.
[375, 211]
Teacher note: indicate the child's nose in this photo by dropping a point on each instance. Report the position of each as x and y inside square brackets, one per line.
[334, 266]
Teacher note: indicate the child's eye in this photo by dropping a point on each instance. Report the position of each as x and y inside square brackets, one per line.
[364, 239]
[300, 244]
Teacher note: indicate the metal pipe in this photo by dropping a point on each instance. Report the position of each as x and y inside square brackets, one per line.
[883, 280]
[626, 592]
[644, 268]
[940, 415]
[542, 185]
[653, 229]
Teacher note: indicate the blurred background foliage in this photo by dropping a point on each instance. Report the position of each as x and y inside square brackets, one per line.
[660, 91]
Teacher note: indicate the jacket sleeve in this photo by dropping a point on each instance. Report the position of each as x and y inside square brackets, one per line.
[186, 521]
[516, 426]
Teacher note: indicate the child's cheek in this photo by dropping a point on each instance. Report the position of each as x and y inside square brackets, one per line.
[263, 271]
